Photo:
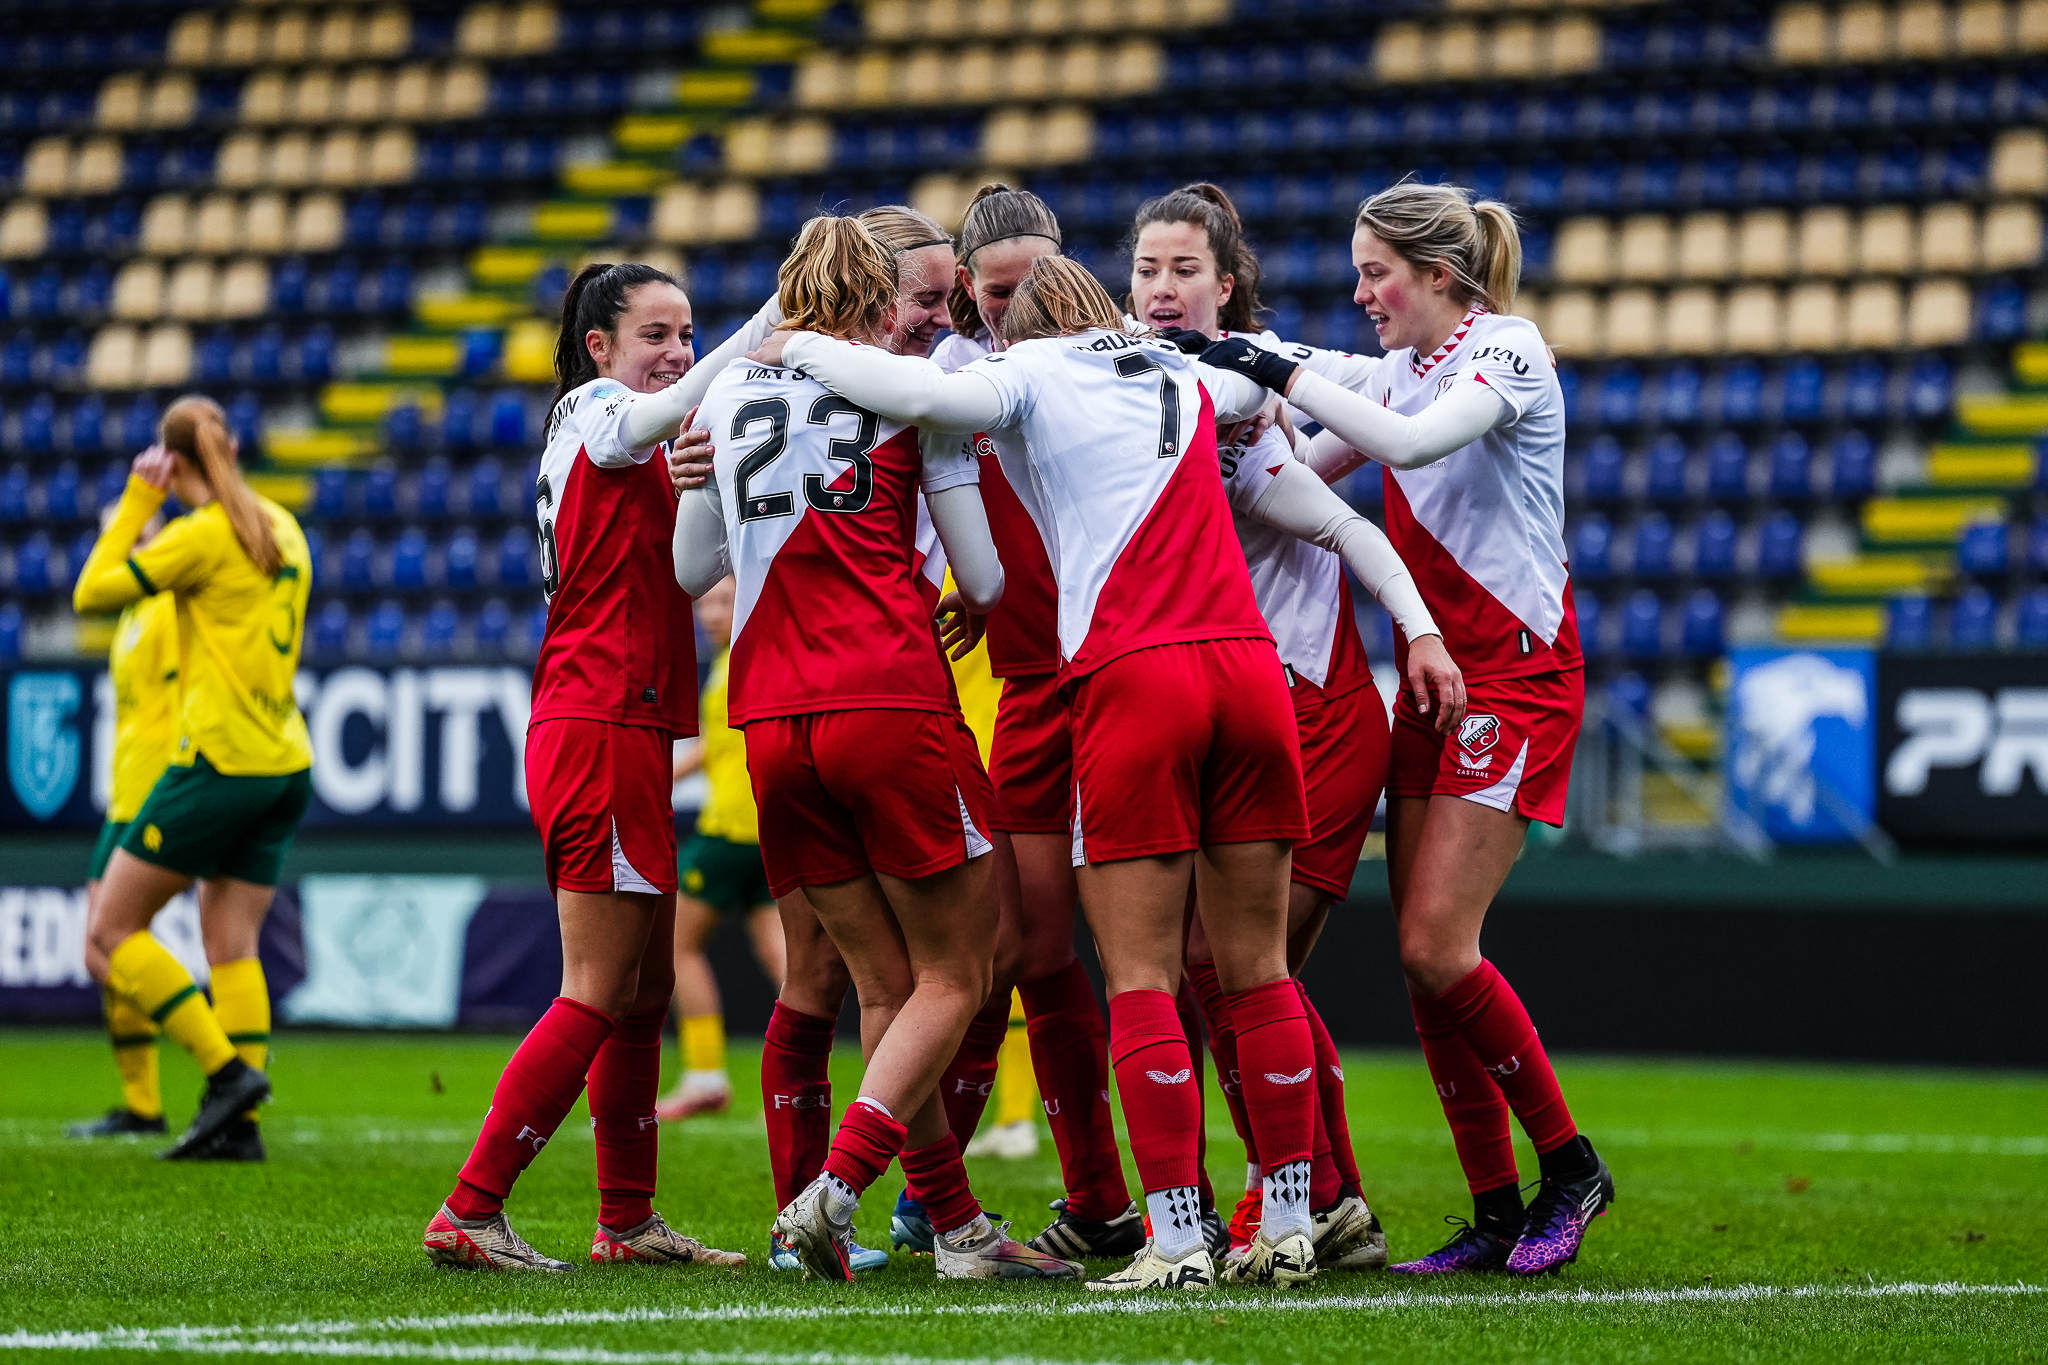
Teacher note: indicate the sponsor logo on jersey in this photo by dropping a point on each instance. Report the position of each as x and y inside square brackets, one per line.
[1501, 353]
[1170, 1078]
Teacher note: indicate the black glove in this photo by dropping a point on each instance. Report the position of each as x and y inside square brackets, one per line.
[1187, 338]
[1266, 368]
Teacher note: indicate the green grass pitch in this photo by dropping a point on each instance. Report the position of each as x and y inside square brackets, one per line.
[1766, 1213]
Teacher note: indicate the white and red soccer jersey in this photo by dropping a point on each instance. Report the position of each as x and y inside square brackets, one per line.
[1301, 589]
[1024, 630]
[1482, 529]
[819, 500]
[619, 645]
[1122, 444]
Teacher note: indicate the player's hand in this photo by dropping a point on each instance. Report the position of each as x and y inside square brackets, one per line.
[1256, 363]
[153, 467]
[1430, 670]
[770, 352]
[1248, 432]
[1186, 338]
[960, 630]
[689, 458]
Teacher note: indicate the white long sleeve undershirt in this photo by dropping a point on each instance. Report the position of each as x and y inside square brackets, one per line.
[1457, 419]
[1302, 505]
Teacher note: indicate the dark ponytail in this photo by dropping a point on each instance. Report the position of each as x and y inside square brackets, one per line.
[1207, 207]
[594, 300]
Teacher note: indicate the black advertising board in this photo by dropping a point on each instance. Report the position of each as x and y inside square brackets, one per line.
[1962, 748]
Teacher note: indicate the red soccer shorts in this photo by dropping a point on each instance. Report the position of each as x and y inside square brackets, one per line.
[1513, 751]
[843, 793]
[600, 798]
[1181, 746]
[1032, 759]
[1344, 754]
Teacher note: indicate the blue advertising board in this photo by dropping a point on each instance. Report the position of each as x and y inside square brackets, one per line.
[1802, 742]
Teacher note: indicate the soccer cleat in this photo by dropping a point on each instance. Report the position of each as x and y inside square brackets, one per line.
[1470, 1249]
[1557, 1220]
[1194, 1269]
[122, 1122]
[654, 1242]
[909, 1226]
[1214, 1235]
[1009, 1141]
[985, 1251]
[862, 1259]
[820, 1243]
[1289, 1263]
[692, 1098]
[1244, 1221]
[1348, 1237]
[483, 1244]
[241, 1140]
[1074, 1238]
[230, 1091]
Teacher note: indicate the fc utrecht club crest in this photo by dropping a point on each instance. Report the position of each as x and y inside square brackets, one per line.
[42, 743]
[1476, 734]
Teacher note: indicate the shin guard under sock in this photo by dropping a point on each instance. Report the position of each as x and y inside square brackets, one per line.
[1278, 1064]
[1330, 1094]
[1223, 1048]
[1488, 1015]
[624, 1078]
[796, 1098]
[1070, 1054]
[867, 1141]
[142, 969]
[241, 1002]
[1155, 1078]
[1190, 1012]
[1473, 1104]
[539, 1087]
[134, 1039]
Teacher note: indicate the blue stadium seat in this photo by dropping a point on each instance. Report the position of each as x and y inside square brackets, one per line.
[403, 427]
[89, 424]
[430, 492]
[245, 420]
[1667, 469]
[1854, 461]
[18, 361]
[1621, 396]
[1728, 469]
[1642, 625]
[486, 482]
[2032, 632]
[330, 493]
[1700, 634]
[1909, 623]
[437, 632]
[1604, 470]
[1898, 170]
[493, 624]
[387, 629]
[1651, 557]
[1742, 392]
[1630, 692]
[39, 424]
[46, 294]
[2037, 545]
[458, 418]
[515, 558]
[536, 627]
[380, 492]
[1864, 386]
[1983, 550]
[213, 360]
[1973, 622]
[409, 559]
[2002, 311]
[10, 632]
[32, 564]
[108, 487]
[1779, 545]
[14, 493]
[1678, 397]
[60, 494]
[266, 353]
[508, 418]
[343, 288]
[358, 560]
[1963, 167]
[1592, 548]
[1587, 606]
[460, 570]
[1929, 388]
[331, 628]
[316, 352]
[1912, 99]
[1803, 387]
[1791, 468]
[1713, 554]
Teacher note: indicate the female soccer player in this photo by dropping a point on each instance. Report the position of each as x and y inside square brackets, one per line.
[1466, 412]
[870, 793]
[1154, 601]
[616, 682]
[1193, 272]
[238, 782]
[1030, 762]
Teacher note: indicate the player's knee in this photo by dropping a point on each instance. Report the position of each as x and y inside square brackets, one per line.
[1432, 962]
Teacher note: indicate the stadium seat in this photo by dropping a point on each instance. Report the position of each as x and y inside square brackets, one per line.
[1667, 474]
[1679, 394]
[493, 624]
[1973, 621]
[430, 490]
[1864, 390]
[1909, 623]
[1604, 466]
[331, 628]
[1853, 461]
[1982, 552]
[515, 558]
[1651, 553]
[1700, 634]
[1728, 469]
[409, 559]
[1802, 389]
[386, 631]
[10, 632]
[357, 560]
[1780, 545]
[2031, 630]
[1714, 545]
[2037, 545]
[380, 492]
[438, 630]
[1791, 468]
[1591, 551]
[1642, 625]
[1587, 606]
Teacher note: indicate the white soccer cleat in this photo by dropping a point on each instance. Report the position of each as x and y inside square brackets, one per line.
[699, 1093]
[1348, 1237]
[1289, 1263]
[821, 1244]
[985, 1251]
[483, 1244]
[1195, 1269]
[654, 1242]
[1010, 1141]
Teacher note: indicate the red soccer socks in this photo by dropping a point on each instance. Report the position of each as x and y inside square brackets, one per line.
[624, 1079]
[796, 1098]
[1488, 1015]
[540, 1084]
[1155, 1078]
[1473, 1104]
[867, 1141]
[937, 1180]
[1070, 1054]
[971, 1077]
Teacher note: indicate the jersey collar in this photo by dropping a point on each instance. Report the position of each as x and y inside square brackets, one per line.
[1423, 366]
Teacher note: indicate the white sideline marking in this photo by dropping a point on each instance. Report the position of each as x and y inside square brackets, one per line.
[305, 1338]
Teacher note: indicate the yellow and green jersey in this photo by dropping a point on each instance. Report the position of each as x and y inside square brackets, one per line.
[729, 812]
[239, 630]
[144, 667]
[979, 690]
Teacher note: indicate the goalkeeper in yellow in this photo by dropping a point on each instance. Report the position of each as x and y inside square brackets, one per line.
[239, 780]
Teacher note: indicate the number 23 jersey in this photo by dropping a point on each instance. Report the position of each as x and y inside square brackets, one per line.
[819, 498]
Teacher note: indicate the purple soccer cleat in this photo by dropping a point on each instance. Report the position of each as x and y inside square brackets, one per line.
[1472, 1249]
[1558, 1218]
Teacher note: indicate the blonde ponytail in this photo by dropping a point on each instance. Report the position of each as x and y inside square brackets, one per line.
[837, 279]
[196, 428]
[1498, 263]
[1439, 225]
[1058, 297]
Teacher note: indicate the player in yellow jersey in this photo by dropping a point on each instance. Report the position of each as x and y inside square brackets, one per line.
[240, 775]
[720, 871]
[143, 665]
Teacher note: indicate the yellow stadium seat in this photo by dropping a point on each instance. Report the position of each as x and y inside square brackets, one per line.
[1999, 414]
[1919, 521]
[1692, 321]
[2012, 237]
[1400, 55]
[314, 97]
[1458, 53]
[1884, 241]
[753, 46]
[1065, 135]
[1196, 13]
[167, 356]
[301, 446]
[1873, 315]
[823, 81]
[263, 98]
[752, 147]
[1825, 238]
[642, 133]
[927, 76]
[1028, 75]
[294, 160]
[1515, 52]
[1045, 17]
[241, 40]
[600, 179]
[173, 101]
[1529, 303]
[946, 19]
[534, 27]
[715, 89]
[873, 80]
[439, 357]
[1802, 623]
[365, 96]
[1755, 321]
[1584, 252]
[1922, 32]
[193, 292]
[482, 31]
[1008, 136]
[1644, 250]
[734, 212]
[317, 222]
[1574, 46]
[1983, 28]
[1154, 14]
[662, 258]
[1813, 317]
[47, 168]
[24, 229]
[2030, 26]
[501, 266]
[943, 198]
[1763, 245]
[339, 38]
[115, 358]
[389, 33]
[1959, 466]
[1081, 71]
[1938, 313]
[1086, 18]
[166, 225]
[1948, 238]
[216, 225]
[289, 491]
[1635, 323]
[191, 40]
[390, 157]
[97, 169]
[993, 18]
[1703, 247]
[464, 88]
[2019, 162]
[120, 103]
[139, 291]
[977, 73]
[1138, 67]
[573, 222]
[1799, 35]
[291, 38]
[1572, 323]
[679, 215]
[245, 289]
[890, 21]
[453, 311]
[266, 225]
[1863, 32]
[806, 146]
[529, 356]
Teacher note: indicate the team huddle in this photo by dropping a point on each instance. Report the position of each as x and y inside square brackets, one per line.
[921, 448]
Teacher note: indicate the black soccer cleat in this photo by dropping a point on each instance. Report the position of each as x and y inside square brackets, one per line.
[1558, 1217]
[230, 1092]
[1215, 1235]
[241, 1140]
[122, 1122]
[1074, 1238]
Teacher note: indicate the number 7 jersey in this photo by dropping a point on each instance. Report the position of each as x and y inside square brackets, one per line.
[819, 498]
